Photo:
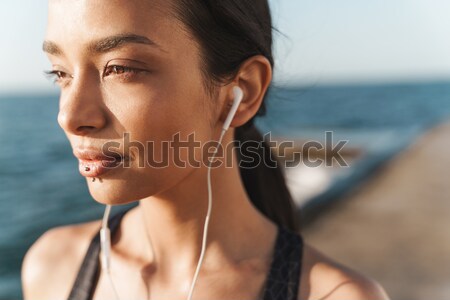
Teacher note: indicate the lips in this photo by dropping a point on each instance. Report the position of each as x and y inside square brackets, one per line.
[94, 163]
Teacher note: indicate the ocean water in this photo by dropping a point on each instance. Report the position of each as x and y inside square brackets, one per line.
[40, 186]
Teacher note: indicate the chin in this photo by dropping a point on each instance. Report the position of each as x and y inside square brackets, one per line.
[117, 191]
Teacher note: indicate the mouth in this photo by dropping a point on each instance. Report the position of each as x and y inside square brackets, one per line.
[94, 163]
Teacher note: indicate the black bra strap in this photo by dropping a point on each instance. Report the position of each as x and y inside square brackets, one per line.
[89, 272]
[282, 282]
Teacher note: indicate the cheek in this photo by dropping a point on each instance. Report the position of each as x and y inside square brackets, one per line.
[153, 116]
[147, 113]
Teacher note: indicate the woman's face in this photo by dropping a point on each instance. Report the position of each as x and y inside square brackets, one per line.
[127, 68]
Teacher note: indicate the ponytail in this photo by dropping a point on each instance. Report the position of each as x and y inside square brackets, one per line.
[264, 181]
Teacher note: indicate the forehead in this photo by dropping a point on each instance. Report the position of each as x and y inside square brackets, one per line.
[72, 23]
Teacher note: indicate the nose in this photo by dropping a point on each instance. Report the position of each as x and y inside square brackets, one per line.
[81, 109]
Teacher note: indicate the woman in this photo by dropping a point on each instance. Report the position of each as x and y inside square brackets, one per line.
[144, 72]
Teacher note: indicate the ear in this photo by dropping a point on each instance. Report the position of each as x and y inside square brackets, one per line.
[254, 78]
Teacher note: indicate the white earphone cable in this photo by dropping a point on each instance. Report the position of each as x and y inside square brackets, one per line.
[205, 230]
[106, 216]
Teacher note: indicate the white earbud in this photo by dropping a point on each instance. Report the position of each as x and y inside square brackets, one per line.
[238, 95]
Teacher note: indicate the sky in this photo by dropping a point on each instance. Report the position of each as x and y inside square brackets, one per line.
[322, 42]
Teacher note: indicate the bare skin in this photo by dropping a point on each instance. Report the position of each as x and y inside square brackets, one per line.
[100, 103]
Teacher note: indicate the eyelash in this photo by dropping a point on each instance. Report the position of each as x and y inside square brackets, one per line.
[121, 71]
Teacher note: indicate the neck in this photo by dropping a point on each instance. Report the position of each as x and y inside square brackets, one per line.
[174, 221]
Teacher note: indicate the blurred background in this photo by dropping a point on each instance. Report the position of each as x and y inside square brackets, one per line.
[374, 73]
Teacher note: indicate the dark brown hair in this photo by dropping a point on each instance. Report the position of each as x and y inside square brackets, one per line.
[229, 32]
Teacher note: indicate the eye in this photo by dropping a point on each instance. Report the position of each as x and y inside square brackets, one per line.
[120, 70]
[57, 76]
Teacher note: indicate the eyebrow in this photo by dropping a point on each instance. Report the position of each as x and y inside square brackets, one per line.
[106, 44]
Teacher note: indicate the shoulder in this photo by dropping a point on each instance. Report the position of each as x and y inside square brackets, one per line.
[50, 265]
[324, 278]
